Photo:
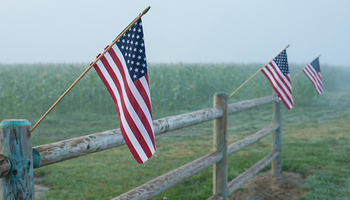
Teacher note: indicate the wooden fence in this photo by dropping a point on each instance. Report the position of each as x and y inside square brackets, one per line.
[18, 158]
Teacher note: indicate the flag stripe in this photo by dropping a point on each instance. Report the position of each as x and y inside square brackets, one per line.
[127, 103]
[133, 148]
[123, 70]
[124, 118]
[137, 100]
[280, 89]
[314, 77]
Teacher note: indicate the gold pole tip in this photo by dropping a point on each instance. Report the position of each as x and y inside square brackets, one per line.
[288, 45]
[146, 10]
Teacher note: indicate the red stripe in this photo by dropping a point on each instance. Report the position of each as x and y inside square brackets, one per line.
[127, 116]
[145, 97]
[274, 88]
[290, 98]
[313, 78]
[126, 139]
[279, 85]
[132, 99]
[280, 74]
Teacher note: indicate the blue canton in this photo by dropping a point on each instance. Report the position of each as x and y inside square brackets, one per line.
[282, 62]
[132, 46]
[316, 65]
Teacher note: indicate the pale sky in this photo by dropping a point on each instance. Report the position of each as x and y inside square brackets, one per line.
[240, 31]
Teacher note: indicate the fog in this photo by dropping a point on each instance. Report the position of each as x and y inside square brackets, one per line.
[177, 31]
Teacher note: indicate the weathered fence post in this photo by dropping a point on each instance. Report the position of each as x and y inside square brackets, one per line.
[16, 144]
[220, 144]
[276, 164]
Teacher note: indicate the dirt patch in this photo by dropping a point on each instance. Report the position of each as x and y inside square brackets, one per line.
[39, 188]
[265, 187]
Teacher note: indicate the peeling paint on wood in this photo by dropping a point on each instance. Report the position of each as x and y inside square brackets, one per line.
[16, 145]
[80, 146]
[239, 145]
[166, 181]
[5, 166]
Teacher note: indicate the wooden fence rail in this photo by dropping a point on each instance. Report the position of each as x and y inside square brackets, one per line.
[59, 151]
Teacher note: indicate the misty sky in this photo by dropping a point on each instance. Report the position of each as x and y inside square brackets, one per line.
[204, 31]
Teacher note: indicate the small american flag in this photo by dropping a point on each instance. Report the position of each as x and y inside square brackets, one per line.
[123, 70]
[277, 72]
[313, 72]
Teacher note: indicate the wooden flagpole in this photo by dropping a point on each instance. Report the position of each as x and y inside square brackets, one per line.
[256, 72]
[301, 71]
[91, 65]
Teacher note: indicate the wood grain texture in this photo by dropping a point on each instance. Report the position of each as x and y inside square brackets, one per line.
[239, 145]
[164, 182]
[220, 144]
[5, 166]
[16, 145]
[276, 164]
[241, 179]
[80, 146]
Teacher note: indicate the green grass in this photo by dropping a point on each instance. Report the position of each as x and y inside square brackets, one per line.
[315, 131]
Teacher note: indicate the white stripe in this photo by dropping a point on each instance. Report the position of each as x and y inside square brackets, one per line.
[127, 129]
[138, 97]
[134, 90]
[272, 78]
[311, 74]
[146, 88]
[284, 84]
[278, 88]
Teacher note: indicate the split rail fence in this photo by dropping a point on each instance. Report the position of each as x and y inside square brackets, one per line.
[18, 158]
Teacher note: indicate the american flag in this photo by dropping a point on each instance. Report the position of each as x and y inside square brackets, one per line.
[123, 70]
[277, 72]
[313, 72]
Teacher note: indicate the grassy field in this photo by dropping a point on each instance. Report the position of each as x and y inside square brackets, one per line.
[316, 140]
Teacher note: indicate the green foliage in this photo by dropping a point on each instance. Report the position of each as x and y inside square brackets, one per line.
[315, 132]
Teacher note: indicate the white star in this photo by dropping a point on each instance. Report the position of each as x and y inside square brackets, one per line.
[126, 54]
[126, 48]
[129, 35]
[136, 70]
[138, 57]
[135, 49]
[128, 61]
[140, 50]
[133, 36]
[137, 36]
[122, 46]
[137, 63]
[132, 62]
[142, 71]
[136, 43]
[140, 24]
[131, 42]
[142, 44]
[123, 40]
[134, 29]
[135, 76]
[130, 68]
[143, 65]
[133, 55]
[127, 41]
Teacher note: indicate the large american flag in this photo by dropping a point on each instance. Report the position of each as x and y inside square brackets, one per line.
[123, 70]
[313, 72]
[277, 72]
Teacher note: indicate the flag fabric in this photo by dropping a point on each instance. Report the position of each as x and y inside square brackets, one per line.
[313, 72]
[277, 72]
[123, 70]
